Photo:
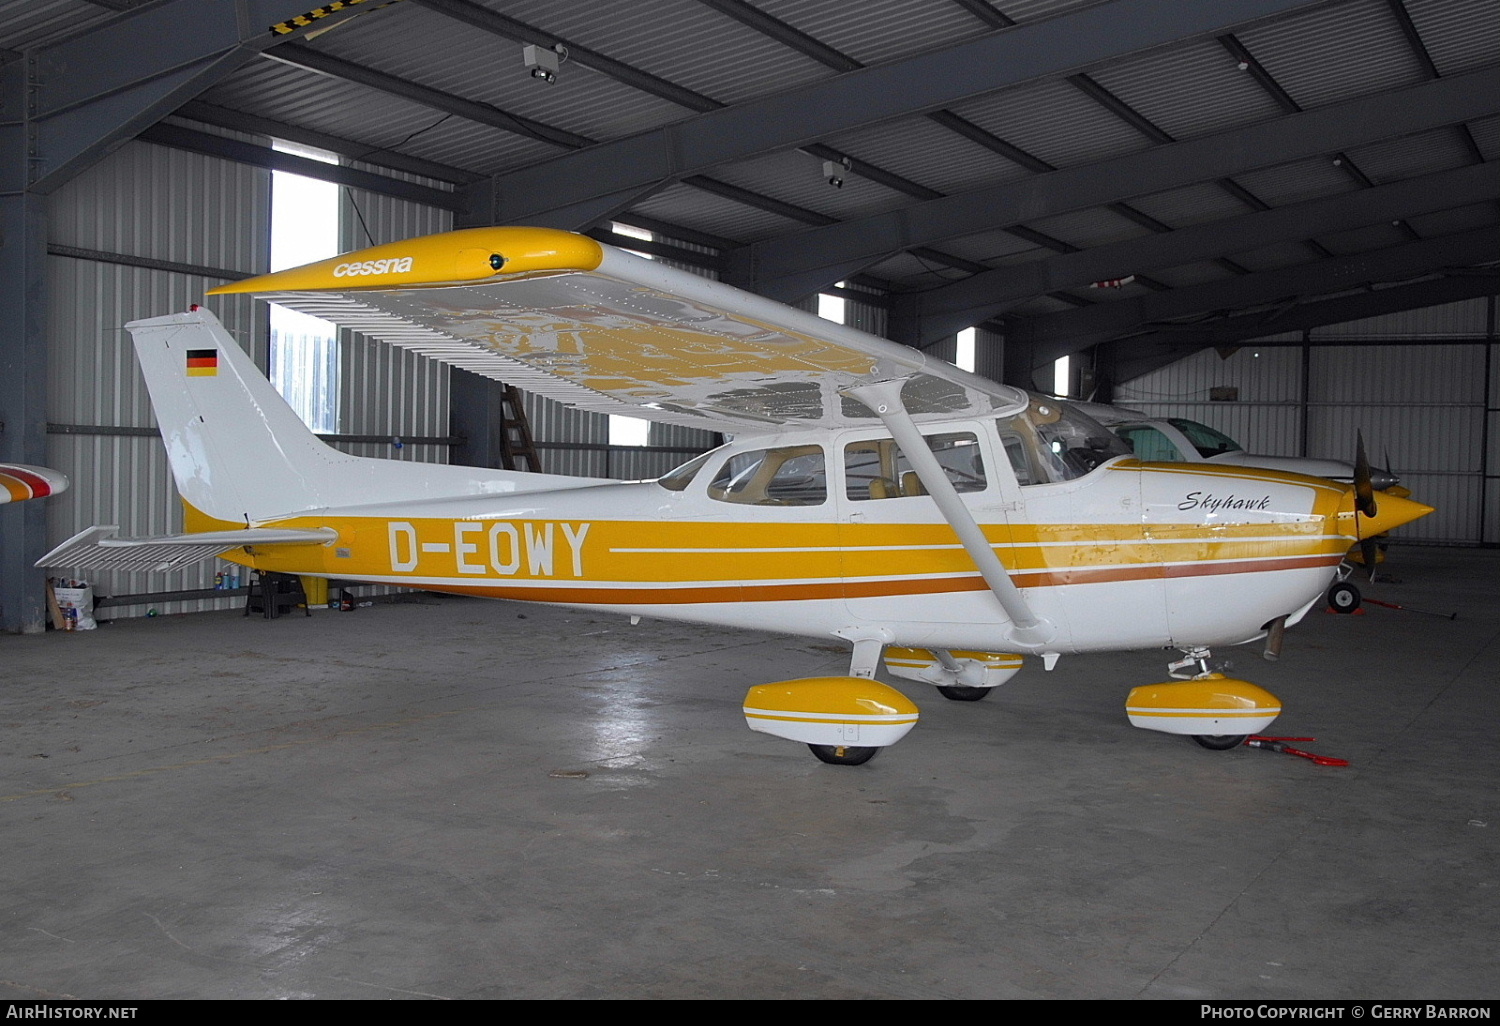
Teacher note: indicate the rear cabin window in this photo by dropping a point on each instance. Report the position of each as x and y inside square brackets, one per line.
[1149, 443]
[678, 480]
[1206, 440]
[791, 476]
[878, 469]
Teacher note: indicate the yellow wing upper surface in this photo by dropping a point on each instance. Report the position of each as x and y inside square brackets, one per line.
[595, 327]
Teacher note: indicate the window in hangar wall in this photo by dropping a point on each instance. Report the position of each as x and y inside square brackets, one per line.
[964, 357]
[630, 430]
[304, 349]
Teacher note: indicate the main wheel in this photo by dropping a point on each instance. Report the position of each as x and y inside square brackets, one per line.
[1220, 742]
[960, 693]
[843, 755]
[1343, 597]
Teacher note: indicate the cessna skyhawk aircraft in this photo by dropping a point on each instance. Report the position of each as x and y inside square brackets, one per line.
[870, 493]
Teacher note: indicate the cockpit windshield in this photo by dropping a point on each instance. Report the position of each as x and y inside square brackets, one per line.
[1055, 441]
[1206, 440]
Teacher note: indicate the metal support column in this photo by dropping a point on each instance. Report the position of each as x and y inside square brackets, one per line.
[23, 405]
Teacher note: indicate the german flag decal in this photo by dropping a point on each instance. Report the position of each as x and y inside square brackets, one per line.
[202, 363]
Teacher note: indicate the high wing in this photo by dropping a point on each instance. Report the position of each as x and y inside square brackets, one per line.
[600, 329]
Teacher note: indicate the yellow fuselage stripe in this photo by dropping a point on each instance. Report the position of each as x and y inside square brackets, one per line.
[622, 561]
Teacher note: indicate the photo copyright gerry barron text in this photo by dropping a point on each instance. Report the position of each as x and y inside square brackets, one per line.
[1349, 1010]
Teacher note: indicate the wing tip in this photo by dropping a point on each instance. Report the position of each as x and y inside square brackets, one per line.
[463, 257]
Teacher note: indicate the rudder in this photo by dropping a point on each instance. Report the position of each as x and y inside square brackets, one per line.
[238, 452]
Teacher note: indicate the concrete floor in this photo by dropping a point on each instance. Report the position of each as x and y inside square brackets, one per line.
[461, 799]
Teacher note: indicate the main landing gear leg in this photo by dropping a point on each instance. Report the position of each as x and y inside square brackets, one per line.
[862, 664]
[956, 692]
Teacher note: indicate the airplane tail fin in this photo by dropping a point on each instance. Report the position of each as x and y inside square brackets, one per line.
[238, 452]
[242, 456]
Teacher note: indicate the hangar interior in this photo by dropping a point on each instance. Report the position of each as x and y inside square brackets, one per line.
[1278, 217]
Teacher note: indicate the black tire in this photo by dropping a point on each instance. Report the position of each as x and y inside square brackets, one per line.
[843, 755]
[960, 693]
[1343, 597]
[1220, 742]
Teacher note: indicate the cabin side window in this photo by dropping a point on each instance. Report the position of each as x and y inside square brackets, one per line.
[791, 476]
[1019, 452]
[877, 468]
[1149, 444]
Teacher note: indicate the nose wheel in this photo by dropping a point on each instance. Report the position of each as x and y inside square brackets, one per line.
[1220, 742]
[1343, 597]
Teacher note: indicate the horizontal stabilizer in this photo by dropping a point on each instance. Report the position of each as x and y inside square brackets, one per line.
[98, 548]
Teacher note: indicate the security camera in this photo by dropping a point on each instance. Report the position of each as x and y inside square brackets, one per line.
[834, 171]
[544, 61]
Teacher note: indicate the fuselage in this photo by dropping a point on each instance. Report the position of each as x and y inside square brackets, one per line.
[808, 533]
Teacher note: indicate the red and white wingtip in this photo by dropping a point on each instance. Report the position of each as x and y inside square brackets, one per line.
[19, 482]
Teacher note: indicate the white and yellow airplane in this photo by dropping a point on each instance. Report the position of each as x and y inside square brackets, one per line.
[870, 493]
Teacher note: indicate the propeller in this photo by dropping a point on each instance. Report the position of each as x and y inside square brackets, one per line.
[1364, 501]
[1364, 489]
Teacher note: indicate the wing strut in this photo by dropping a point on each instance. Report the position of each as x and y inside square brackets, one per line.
[1028, 631]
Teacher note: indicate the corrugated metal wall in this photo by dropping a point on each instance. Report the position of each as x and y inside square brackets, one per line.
[1423, 395]
[149, 202]
[162, 204]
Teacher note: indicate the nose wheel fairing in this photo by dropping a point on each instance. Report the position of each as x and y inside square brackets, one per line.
[1213, 706]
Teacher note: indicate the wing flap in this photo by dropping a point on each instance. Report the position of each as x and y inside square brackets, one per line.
[99, 548]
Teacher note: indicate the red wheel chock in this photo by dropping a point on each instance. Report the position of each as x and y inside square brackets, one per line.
[1278, 744]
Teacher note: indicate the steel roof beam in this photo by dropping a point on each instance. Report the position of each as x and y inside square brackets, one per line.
[794, 266]
[1143, 354]
[350, 149]
[483, 113]
[775, 28]
[1060, 334]
[954, 307]
[256, 155]
[81, 105]
[506, 27]
[926, 82]
[1419, 50]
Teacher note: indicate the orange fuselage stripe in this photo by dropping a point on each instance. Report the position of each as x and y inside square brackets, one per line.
[865, 589]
